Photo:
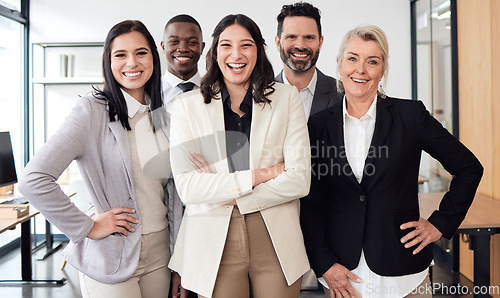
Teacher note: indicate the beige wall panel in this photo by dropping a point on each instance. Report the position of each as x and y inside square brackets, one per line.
[475, 100]
[495, 51]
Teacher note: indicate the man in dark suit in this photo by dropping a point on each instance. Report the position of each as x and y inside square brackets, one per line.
[299, 42]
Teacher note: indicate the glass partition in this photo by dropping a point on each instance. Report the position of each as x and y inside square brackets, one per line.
[435, 82]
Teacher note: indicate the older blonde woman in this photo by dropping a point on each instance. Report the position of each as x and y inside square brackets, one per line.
[361, 222]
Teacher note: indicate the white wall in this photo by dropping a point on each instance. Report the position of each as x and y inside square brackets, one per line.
[90, 20]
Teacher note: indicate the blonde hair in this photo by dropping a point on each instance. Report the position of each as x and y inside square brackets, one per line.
[366, 32]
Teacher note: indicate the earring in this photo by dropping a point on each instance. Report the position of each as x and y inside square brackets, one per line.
[381, 91]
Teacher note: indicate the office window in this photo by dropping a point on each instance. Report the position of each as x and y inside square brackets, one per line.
[13, 58]
[435, 79]
[433, 24]
[12, 95]
[11, 4]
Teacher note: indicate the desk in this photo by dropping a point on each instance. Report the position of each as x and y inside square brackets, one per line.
[26, 253]
[482, 221]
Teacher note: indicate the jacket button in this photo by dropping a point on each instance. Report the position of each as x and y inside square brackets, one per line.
[362, 198]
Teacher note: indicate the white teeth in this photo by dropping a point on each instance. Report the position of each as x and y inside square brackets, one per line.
[131, 74]
[299, 55]
[236, 65]
[182, 58]
[359, 81]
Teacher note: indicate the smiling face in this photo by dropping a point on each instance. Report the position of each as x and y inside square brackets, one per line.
[182, 44]
[131, 63]
[236, 56]
[361, 69]
[299, 43]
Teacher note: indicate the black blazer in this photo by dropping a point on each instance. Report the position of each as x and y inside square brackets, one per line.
[325, 94]
[340, 217]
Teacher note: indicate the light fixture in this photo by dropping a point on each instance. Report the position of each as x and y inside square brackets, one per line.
[444, 15]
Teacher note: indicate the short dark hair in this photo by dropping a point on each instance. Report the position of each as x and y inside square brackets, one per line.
[182, 18]
[262, 77]
[111, 91]
[299, 9]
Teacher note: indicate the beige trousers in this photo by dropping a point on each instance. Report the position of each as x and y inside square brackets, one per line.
[151, 279]
[249, 263]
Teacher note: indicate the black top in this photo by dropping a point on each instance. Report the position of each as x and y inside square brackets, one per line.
[237, 132]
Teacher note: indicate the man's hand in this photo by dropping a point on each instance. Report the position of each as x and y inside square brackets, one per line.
[266, 174]
[177, 289]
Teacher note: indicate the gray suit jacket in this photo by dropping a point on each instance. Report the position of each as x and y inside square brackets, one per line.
[326, 94]
[101, 149]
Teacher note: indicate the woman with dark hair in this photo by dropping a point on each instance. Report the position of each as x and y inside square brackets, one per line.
[120, 245]
[240, 160]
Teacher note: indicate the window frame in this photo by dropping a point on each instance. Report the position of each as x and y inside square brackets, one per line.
[23, 18]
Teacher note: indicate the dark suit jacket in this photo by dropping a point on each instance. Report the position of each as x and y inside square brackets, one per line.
[340, 217]
[325, 95]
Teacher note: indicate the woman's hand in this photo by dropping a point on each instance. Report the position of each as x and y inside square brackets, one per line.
[337, 278]
[201, 166]
[113, 221]
[199, 163]
[266, 174]
[424, 233]
[177, 289]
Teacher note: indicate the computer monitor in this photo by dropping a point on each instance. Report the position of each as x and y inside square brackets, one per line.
[7, 167]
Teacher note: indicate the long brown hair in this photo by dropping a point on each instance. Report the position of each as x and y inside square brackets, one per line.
[111, 91]
[262, 77]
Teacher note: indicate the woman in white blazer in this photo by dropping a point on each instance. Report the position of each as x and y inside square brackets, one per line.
[120, 245]
[241, 160]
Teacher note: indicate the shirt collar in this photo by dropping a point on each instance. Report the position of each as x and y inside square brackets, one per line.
[173, 80]
[133, 106]
[247, 100]
[312, 84]
[371, 113]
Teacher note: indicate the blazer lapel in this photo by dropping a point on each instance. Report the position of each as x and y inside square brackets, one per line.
[261, 120]
[382, 124]
[322, 95]
[215, 113]
[320, 99]
[121, 137]
[335, 128]
[214, 125]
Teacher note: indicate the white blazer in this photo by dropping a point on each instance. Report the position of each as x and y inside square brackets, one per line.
[278, 133]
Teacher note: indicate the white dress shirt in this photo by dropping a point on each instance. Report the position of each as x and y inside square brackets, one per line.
[306, 94]
[358, 134]
[170, 89]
